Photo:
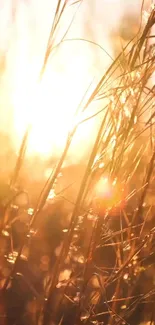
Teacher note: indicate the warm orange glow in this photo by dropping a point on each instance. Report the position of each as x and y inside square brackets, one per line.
[49, 106]
[108, 194]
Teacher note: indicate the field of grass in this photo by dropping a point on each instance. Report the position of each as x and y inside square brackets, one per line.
[87, 258]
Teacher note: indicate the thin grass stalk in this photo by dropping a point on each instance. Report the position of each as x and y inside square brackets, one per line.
[118, 290]
[20, 159]
[149, 25]
[144, 192]
[14, 178]
[76, 210]
[50, 182]
[54, 24]
[89, 259]
[90, 182]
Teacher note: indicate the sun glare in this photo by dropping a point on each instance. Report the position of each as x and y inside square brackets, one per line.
[48, 106]
[109, 194]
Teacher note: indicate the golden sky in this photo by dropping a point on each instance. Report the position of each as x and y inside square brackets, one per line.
[24, 32]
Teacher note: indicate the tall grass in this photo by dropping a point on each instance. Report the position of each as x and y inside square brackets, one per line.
[108, 248]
